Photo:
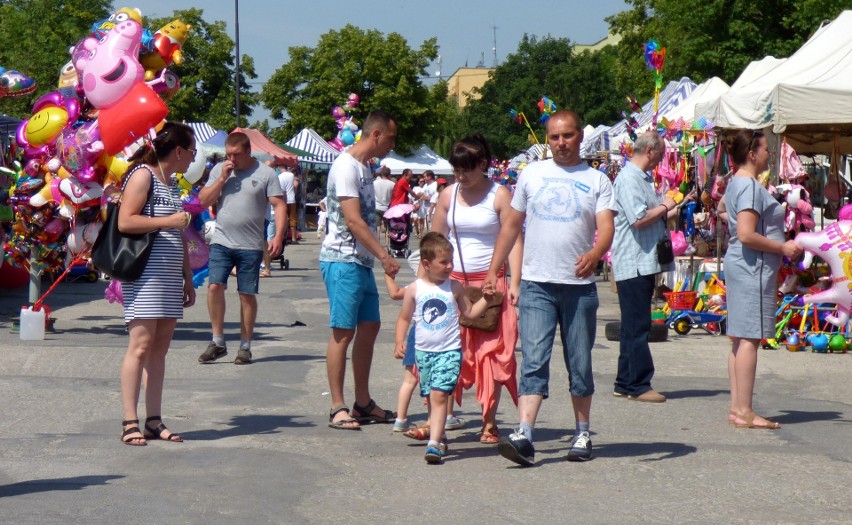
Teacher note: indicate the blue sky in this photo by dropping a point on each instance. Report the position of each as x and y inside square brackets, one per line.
[464, 28]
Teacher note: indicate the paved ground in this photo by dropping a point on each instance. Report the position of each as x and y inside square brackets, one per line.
[258, 448]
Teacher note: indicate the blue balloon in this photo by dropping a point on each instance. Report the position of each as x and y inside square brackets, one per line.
[347, 137]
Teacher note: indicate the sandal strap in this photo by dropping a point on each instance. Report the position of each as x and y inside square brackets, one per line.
[132, 430]
[153, 418]
[129, 422]
[335, 411]
[367, 410]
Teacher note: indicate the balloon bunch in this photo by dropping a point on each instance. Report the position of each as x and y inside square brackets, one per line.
[75, 144]
[547, 107]
[14, 83]
[347, 130]
[655, 57]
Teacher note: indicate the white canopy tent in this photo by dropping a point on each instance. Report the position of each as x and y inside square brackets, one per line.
[711, 89]
[531, 154]
[424, 158]
[807, 97]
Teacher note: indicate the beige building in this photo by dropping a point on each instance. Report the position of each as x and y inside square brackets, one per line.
[610, 40]
[462, 83]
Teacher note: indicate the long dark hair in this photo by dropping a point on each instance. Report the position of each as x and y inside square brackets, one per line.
[172, 135]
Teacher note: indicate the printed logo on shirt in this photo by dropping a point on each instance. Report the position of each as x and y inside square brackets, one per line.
[433, 313]
[557, 201]
[582, 187]
[254, 183]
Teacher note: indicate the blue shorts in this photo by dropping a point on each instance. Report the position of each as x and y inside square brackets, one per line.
[438, 371]
[269, 228]
[247, 262]
[352, 295]
[409, 359]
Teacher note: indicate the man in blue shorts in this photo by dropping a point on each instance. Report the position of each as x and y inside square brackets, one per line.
[242, 188]
[346, 262]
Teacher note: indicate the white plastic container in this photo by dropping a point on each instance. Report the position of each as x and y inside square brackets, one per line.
[32, 324]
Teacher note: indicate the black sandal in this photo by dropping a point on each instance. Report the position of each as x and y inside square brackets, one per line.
[343, 424]
[365, 414]
[157, 433]
[132, 430]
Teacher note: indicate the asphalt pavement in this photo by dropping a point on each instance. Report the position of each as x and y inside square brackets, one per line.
[258, 448]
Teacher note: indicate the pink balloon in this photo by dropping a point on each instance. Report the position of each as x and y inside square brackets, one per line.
[109, 68]
[834, 246]
[78, 150]
[196, 248]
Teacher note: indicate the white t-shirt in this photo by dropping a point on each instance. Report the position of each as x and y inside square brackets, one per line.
[285, 179]
[384, 192]
[560, 203]
[348, 178]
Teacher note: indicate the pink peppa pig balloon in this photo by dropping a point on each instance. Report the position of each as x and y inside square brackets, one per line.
[834, 246]
[109, 68]
[353, 100]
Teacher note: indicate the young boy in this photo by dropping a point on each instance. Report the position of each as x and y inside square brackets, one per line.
[434, 302]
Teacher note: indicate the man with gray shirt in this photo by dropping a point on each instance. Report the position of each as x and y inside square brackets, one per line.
[241, 188]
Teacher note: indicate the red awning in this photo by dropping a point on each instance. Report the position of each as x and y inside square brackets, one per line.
[260, 143]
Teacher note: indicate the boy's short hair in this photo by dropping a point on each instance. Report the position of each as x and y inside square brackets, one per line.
[433, 243]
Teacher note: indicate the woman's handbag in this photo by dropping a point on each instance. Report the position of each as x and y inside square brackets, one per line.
[490, 319]
[122, 256]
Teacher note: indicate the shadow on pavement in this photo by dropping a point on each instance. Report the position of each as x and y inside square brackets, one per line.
[683, 394]
[662, 449]
[247, 425]
[49, 485]
[798, 416]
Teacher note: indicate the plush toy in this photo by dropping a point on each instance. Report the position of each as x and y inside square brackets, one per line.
[799, 215]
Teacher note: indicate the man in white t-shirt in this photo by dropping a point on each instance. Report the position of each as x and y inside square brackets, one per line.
[430, 188]
[563, 201]
[384, 190]
[285, 179]
[346, 262]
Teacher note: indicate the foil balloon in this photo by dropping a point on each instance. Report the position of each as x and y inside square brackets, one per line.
[834, 246]
[51, 113]
[109, 68]
[168, 41]
[79, 149]
[68, 80]
[129, 120]
[166, 84]
[15, 84]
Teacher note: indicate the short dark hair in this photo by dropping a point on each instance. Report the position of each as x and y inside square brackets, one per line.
[407, 171]
[469, 152]
[240, 139]
[376, 119]
[742, 143]
[432, 244]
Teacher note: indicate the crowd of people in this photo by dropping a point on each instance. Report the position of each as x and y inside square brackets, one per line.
[536, 247]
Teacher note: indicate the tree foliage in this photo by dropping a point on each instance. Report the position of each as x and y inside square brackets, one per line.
[382, 69]
[206, 91]
[542, 67]
[706, 38]
[35, 36]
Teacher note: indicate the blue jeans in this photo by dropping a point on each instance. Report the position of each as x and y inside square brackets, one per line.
[635, 364]
[574, 308]
[247, 262]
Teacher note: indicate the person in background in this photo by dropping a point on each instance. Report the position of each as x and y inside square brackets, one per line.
[242, 188]
[155, 301]
[383, 186]
[756, 223]
[285, 178]
[402, 189]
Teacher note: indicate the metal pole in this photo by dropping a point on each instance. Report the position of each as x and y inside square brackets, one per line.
[237, 42]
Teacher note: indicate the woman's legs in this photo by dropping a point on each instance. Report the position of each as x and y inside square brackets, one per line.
[155, 369]
[489, 417]
[141, 337]
[742, 385]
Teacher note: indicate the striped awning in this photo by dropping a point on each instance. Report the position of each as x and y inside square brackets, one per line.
[670, 97]
[203, 131]
[532, 154]
[310, 141]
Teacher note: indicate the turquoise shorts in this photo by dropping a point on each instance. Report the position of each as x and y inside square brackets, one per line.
[352, 295]
[438, 370]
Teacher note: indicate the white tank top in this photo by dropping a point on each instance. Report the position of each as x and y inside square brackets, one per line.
[437, 316]
[478, 227]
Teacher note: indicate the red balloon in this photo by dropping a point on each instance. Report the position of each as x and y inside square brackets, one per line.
[130, 119]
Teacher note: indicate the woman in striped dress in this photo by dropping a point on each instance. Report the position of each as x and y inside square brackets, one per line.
[154, 302]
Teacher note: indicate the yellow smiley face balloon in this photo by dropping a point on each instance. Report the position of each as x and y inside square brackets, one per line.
[43, 127]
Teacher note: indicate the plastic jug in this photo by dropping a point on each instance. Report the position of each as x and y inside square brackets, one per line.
[32, 324]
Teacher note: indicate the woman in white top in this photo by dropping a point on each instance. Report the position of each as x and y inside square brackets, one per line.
[470, 214]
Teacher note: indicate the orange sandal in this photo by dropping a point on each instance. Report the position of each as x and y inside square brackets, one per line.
[490, 435]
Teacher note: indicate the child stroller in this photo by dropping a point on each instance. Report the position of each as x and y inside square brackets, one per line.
[399, 229]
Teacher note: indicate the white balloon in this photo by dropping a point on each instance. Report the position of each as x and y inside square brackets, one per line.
[196, 170]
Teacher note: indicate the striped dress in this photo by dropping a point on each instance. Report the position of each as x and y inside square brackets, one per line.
[158, 293]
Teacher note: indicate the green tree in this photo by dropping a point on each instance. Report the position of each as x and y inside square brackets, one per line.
[711, 38]
[35, 36]
[542, 67]
[206, 74]
[446, 124]
[381, 69]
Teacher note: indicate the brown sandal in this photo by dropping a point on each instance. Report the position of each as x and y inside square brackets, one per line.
[749, 422]
[419, 433]
[125, 434]
[490, 435]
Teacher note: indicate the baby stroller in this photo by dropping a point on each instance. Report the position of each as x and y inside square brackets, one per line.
[399, 229]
